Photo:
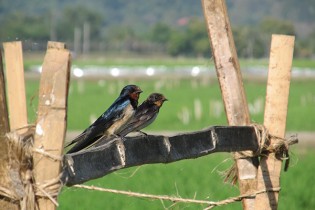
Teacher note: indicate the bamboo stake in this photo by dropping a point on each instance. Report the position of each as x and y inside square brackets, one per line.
[4, 118]
[15, 84]
[5, 182]
[51, 120]
[230, 79]
[277, 96]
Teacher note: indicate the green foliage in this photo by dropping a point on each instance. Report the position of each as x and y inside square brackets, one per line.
[124, 27]
[76, 17]
[275, 26]
[248, 42]
[20, 25]
[191, 40]
[178, 44]
[305, 48]
[198, 37]
[160, 33]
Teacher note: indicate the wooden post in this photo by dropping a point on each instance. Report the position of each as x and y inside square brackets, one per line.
[4, 128]
[4, 119]
[281, 54]
[15, 84]
[230, 79]
[51, 119]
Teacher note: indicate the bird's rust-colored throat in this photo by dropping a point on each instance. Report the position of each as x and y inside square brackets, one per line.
[159, 103]
[135, 95]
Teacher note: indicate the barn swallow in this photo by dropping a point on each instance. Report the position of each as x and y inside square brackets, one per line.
[111, 121]
[145, 114]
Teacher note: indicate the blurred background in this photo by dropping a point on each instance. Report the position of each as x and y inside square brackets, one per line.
[163, 46]
[173, 28]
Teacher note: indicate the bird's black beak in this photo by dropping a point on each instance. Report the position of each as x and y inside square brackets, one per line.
[139, 91]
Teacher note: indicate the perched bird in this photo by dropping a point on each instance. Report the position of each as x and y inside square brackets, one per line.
[145, 114]
[111, 121]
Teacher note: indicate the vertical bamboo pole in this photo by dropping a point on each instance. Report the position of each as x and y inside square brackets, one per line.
[4, 119]
[277, 96]
[51, 120]
[15, 84]
[230, 79]
[4, 128]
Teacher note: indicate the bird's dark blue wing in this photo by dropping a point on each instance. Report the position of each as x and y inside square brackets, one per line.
[97, 129]
[113, 113]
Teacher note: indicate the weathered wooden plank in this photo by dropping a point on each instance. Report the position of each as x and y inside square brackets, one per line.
[4, 119]
[5, 181]
[277, 96]
[231, 84]
[51, 119]
[15, 84]
[97, 162]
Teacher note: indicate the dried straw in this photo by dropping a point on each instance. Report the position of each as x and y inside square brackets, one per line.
[19, 172]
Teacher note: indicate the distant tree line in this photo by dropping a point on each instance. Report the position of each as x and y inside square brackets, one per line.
[85, 30]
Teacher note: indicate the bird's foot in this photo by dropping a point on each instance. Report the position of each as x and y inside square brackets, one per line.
[118, 136]
[143, 133]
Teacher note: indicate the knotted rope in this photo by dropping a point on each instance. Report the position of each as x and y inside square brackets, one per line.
[267, 143]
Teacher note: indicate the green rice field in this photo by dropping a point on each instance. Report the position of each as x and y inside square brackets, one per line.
[193, 104]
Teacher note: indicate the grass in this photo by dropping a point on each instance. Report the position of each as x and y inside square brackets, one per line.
[89, 99]
[304, 63]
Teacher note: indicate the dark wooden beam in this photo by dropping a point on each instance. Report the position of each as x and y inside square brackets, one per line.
[97, 162]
